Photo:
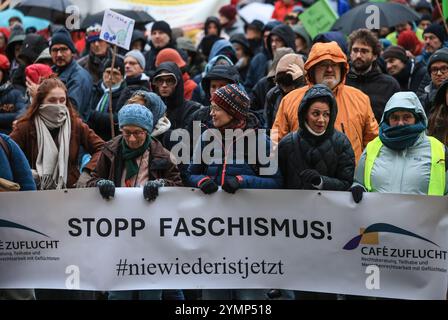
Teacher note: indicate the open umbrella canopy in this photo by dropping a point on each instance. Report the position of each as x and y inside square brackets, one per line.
[53, 10]
[383, 14]
[141, 18]
[28, 22]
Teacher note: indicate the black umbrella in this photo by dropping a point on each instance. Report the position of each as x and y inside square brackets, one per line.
[141, 18]
[363, 16]
[53, 10]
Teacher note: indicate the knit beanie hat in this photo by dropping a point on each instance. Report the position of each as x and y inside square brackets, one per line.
[228, 11]
[233, 99]
[439, 55]
[396, 52]
[38, 72]
[119, 64]
[170, 55]
[62, 36]
[154, 103]
[437, 30]
[135, 115]
[255, 25]
[93, 33]
[162, 26]
[137, 55]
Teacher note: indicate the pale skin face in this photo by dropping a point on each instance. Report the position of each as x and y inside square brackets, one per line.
[439, 72]
[216, 84]
[328, 72]
[318, 116]
[159, 39]
[432, 43]
[116, 77]
[276, 42]
[134, 136]
[99, 48]
[401, 118]
[220, 118]
[56, 96]
[212, 29]
[362, 56]
[165, 84]
[61, 55]
[394, 66]
[131, 67]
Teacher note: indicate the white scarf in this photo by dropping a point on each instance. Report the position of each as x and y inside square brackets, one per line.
[162, 126]
[312, 132]
[51, 163]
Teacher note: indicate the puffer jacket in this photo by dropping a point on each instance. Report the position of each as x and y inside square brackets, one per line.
[406, 171]
[330, 154]
[355, 117]
[220, 166]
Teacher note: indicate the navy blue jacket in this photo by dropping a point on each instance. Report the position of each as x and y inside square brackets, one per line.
[10, 96]
[20, 171]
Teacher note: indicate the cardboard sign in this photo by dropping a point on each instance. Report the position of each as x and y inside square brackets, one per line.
[318, 18]
[117, 29]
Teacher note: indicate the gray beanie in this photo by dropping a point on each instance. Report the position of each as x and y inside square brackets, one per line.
[137, 55]
[135, 115]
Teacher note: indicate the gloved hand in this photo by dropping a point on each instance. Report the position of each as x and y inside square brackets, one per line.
[311, 176]
[357, 192]
[83, 179]
[151, 189]
[208, 186]
[232, 183]
[107, 188]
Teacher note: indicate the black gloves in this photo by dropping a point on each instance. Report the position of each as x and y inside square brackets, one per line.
[231, 184]
[151, 189]
[208, 186]
[107, 188]
[310, 176]
[357, 192]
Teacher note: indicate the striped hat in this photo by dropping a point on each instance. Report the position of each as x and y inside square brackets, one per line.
[233, 99]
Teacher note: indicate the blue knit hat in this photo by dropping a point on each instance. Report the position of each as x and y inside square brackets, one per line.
[154, 103]
[62, 36]
[135, 115]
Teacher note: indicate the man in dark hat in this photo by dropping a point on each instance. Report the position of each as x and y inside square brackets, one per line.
[434, 37]
[76, 78]
[161, 38]
[254, 34]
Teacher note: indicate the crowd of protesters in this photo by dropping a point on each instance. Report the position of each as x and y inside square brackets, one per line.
[342, 112]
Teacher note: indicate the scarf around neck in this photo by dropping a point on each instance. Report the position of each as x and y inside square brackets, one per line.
[52, 160]
[130, 155]
[400, 137]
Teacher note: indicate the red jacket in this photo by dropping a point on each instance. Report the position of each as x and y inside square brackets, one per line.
[281, 10]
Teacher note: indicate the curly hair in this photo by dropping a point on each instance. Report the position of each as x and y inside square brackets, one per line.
[365, 36]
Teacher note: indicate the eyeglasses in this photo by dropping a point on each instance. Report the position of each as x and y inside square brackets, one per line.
[137, 134]
[325, 65]
[62, 49]
[362, 51]
[435, 70]
[170, 81]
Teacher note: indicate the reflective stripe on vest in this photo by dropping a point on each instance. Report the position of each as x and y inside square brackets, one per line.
[437, 174]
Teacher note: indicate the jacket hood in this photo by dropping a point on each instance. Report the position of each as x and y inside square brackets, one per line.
[177, 98]
[220, 72]
[32, 47]
[285, 33]
[404, 100]
[222, 47]
[301, 31]
[326, 51]
[213, 62]
[318, 91]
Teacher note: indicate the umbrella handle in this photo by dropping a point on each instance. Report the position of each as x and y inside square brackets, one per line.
[4, 5]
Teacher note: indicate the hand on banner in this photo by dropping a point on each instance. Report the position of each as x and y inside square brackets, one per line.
[357, 192]
[232, 184]
[107, 188]
[151, 189]
[83, 179]
[208, 186]
[311, 176]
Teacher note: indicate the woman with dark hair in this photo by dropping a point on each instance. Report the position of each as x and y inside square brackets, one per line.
[438, 116]
[51, 134]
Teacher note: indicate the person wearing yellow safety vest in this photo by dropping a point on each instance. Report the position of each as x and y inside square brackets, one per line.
[403, 159]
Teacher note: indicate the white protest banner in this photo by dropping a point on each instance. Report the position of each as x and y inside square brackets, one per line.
[117, 29]
[386, 246]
